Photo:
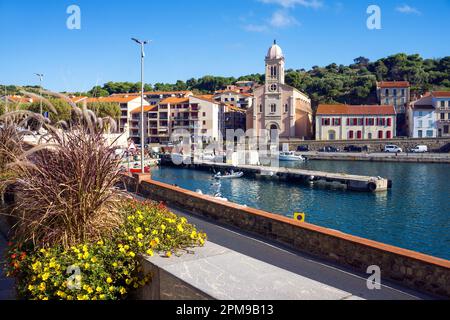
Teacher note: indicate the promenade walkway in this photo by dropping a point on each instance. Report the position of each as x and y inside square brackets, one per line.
[262, 270]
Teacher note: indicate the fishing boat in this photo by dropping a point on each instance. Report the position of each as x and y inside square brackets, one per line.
[232, 175]
[290, 156]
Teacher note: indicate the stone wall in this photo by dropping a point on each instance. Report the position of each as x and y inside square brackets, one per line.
[411, 269]
[434, 145]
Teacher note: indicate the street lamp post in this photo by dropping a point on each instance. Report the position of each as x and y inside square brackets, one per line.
[142, 43]
[41, 77]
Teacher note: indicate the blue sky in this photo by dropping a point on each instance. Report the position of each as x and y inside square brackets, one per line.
[192, 38]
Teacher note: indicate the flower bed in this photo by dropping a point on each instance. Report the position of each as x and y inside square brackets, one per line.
[107, 269]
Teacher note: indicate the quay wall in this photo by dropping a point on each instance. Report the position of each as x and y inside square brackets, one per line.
[408, 268]
[433, 144]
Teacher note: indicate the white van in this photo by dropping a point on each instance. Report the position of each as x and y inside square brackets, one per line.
[419, 149]
[392, 149]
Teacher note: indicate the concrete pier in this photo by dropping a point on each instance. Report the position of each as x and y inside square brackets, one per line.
[349, 181]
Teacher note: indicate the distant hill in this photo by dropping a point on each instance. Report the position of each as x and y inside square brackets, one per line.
[353, 84]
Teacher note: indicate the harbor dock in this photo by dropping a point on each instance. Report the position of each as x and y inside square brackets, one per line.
[349, 181]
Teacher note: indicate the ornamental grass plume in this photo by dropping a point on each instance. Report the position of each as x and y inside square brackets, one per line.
[65, 186]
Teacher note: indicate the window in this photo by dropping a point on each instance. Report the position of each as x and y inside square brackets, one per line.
[260, 108]
[273, 108]
[359, 134]
[446, 129]
[442, 116]
[370, 122]
[204, 114]
[386, 92]
[204, 122]
[429, 133]
[403, 92]
[395, 92]
[430, 123]
[286, 108]
[273, 88]
[360, 121]
[369, 135]
[381, 122]
[386, 101]
[336, 121]
[380, 134]
[420, 124]
[325, 121]
[388, 135]
[420, 114]
[420, 133]
[442, 104]
[350, 134]
[389, 122]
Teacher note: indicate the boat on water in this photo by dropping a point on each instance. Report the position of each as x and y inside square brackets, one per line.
[232, 175]
[290, 156]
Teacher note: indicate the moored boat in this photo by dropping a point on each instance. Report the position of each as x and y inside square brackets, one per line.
[290, 156]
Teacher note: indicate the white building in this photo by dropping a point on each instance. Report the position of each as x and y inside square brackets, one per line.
[441, 102]
[421, 117]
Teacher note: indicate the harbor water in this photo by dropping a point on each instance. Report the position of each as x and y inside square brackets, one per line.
[414, 214]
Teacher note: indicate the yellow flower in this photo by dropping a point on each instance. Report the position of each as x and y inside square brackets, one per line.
[130, 238]
[102, 296]
[115, 264]
[87, 265]
[85, 248]
[180, 228]
[42, 286]
[30, 287]
[140, 244]
[100, 243]
[80, 256]
[93, 259]
[154, 232]
[111, 289]
[122, 250]
[193, 234]
[140, 236]
[99, 289]
[122, 290]
[163, 227]
[149, 252]
[45, 276]
[86, 255]
[132, 254]
[138, 229]
[183, 220]
[45, 298]
[168, 254]
[42, 250]
[157, 240]
[128, 281]
[126, 247]
[109, 280]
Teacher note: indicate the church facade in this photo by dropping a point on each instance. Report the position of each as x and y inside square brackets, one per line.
[279, 106]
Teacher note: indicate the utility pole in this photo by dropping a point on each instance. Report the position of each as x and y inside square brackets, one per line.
[41, 77]
[142, 43]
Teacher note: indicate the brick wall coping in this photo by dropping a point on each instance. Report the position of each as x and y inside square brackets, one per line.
[326, 231]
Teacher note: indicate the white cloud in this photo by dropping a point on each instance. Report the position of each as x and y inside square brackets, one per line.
[406, 9]
[282, 19]
[255, 28]
[315, 4]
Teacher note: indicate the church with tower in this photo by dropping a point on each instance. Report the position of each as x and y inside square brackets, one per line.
[279, 106]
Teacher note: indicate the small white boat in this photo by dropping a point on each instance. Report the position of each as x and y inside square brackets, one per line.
[233, 175]
[290, 156]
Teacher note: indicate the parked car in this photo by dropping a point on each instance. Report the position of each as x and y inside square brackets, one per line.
[302, 148]
[329, 149]
[353, 149]
[392, 149]
[419, 149]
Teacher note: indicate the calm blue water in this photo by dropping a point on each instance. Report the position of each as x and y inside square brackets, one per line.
[415, 214]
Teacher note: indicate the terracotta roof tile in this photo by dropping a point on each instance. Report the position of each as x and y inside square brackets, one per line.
[441, 94]
[393, 84]
[343, 109]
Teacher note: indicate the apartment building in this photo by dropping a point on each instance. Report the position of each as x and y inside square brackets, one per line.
[398, 94]
[351, 122]
[421, 118]
[234, 119]
[127, 104]
[441, 102]
[199, 115]
[234, 98]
